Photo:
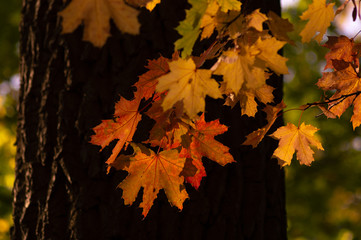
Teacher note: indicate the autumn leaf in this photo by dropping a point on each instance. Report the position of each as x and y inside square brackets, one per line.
[201, 15]
[256, 20]
[148, 81]
[166, 132]
[187, 84]
[279, 27]
[96, 14]
[320, 16]
[208, 22]
[326, 112]
[298, 139]
[122, 127]
[245, 78]
[203, 140]
[189, 28]
[154, 171]
[195, 157]
[201, 143]
[342, 48]
[255, 137]
[237, 66]
[346, 82]
[269, 54]
[227, 5]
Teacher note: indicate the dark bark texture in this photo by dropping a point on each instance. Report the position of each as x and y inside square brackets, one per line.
[61, 188]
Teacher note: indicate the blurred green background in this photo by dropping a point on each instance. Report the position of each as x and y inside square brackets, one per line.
[9, 84]
[323, 201]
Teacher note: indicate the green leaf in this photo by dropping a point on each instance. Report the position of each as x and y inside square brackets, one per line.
[189, 27]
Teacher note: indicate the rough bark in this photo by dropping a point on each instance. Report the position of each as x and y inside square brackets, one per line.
[61, 189]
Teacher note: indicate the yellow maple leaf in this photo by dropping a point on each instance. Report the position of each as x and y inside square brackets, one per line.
[298, 139]
[154, 171]
[244, 79]
[320, 16]
[186, 83]
[239, 67]
[256, 19]
[227, 5]
[236, 68]
[208, 21]
[268, 53]
[96, 14]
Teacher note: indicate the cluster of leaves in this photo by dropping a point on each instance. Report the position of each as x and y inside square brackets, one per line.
[173, 91]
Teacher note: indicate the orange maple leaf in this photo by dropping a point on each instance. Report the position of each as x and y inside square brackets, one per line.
[346, 82]
[154, 171]
[298, 139]
[96, 14]
[149, 80]
[342, 48]
[196, 158]
[200, 143]
[122, 127]
[203, 140]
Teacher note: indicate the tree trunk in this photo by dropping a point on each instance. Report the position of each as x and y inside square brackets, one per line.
[61, 188]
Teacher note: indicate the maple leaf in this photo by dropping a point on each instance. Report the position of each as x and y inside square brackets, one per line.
[203, 15]
[298, 139]
[186, 83]
[255, 137]
[346, 82]
[95, 14]
[227, 5]
[256, 20]
[320, 16]
[205, 144]
[342, 48]
[208, 22]
[149, 80]
[189, 28]
[236, 67]
[244, 79]
[246, 98]
[268, 53]
[166, 132]
[154, 171]
[196, 158]
[122, 127]
[279, 27]
[201, 143]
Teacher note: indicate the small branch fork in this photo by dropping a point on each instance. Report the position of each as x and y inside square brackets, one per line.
[335, 100]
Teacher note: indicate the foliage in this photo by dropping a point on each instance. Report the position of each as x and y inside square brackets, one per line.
[246, 54]
[323, 200]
